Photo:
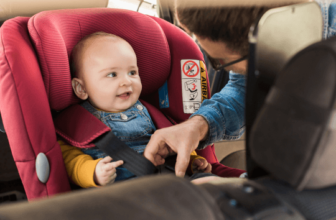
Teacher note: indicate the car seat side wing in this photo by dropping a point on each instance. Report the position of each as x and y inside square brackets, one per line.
[26, 112]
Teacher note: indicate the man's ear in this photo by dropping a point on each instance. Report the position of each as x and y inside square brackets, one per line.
[79, 89]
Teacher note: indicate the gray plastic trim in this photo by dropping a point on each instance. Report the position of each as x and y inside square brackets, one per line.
[42, 167]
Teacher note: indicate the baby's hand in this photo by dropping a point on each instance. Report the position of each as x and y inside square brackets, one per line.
[105, 171]
[201, 165]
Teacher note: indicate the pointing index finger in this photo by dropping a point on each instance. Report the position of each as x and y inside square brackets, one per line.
[151, 150]
[182, 161]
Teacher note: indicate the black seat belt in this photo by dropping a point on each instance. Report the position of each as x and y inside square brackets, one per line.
[118, 150]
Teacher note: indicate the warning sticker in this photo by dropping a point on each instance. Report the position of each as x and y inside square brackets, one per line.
[194, 85]
[204, 82]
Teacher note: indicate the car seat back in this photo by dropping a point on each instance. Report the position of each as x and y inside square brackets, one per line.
[293, 137]
[277, 36]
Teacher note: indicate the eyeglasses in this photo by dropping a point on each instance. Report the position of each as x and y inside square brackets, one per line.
[218, 64]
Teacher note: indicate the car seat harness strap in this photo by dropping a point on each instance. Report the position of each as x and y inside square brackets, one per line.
[118, 150]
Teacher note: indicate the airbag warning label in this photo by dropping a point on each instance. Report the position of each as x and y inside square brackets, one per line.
[194, 85]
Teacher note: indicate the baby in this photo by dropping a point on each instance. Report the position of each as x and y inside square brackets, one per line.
[106, 77]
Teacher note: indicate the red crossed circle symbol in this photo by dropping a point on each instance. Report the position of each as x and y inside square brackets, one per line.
[193, 65]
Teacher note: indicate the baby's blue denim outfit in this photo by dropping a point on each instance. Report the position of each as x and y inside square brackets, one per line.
[133, 126]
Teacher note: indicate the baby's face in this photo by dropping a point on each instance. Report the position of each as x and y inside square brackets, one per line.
[110, 74]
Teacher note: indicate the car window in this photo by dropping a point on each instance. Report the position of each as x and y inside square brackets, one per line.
[147, 7]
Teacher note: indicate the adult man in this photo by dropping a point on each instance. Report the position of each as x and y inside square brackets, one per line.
[222, 33]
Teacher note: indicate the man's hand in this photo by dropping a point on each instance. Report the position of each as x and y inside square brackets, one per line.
[181, 139]
[105, 171]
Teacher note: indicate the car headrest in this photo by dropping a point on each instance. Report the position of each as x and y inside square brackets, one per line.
[13, 8]
[55, 33]
[294, 135]
[234, 3]
[284, 31]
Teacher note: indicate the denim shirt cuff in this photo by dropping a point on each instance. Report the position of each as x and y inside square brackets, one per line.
[215, 116]
[213, 126]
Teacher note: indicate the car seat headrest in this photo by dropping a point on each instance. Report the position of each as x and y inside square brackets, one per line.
[55, 33]
[233, 3]
[282, 32]
[294, 135]
[12, 8]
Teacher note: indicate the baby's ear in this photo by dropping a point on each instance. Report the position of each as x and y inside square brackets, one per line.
[79, 89]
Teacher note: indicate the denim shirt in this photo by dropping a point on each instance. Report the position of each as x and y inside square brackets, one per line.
[328, 8]
[133, 126]
[225, 111]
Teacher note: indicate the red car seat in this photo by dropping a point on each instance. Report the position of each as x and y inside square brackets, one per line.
[35, 80]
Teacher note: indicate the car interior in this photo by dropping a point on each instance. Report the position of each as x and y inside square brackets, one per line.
[289, 116]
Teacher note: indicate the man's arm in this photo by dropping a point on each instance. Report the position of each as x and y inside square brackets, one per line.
[221, 117]
[225, 112]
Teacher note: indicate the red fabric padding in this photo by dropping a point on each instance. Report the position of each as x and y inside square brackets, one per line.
[225, 171]
[25, 110]
[74, 130]
[55, 33]
[35, 189]
[181, 47]
[160, 121]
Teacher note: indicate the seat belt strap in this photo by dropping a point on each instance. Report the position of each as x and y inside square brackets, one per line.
[118, 150]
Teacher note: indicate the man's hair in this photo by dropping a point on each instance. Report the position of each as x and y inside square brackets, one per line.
[77, 51]
[230, 25]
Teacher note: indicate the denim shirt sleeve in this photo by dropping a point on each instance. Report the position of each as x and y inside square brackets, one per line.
[225, 111]
[328, 9]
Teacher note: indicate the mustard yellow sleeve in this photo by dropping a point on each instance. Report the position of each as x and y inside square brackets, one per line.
[193, 153]
[80, 167]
